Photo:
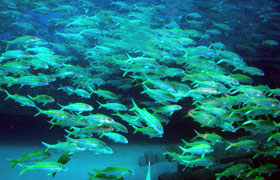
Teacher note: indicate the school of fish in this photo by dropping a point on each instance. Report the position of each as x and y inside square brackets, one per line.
[104, 70]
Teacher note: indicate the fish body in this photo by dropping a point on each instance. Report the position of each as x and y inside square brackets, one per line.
[64, 146]
[200, 149]
[91, 128]
[42, 98]
[56, 114]
[212, 137]
[270, 151]
[80, 107]
[267, 168]
[98, 118]
[270, 43]
[105, 94]
[116, 137]
[48, 166]
[24, 101]
[91, 144]
[275, 136]
[133, 120]
[150, 119]
[14, 54]
[116, 170]
[119, 127]
[200, 161]
[34, 156]
[247, 144]
[169, 109]
[113, 106]
[235, 170]
[80, 92]
[23, 40]
[29, 80]
[147, 131]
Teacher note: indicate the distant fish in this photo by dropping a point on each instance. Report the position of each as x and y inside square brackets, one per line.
[270, 43]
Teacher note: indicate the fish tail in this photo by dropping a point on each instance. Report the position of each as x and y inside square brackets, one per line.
[40, 111]
[92, 176]
[197, 133]
[227, 148]
[97, 171]
[47, 145]
[60, 106]
[100, 134]
[23, 171]
[100, 105]
[256, 155]
[125, 71]
[134, 106]
[14, 163]
[7, 46]
[91, 90]
[269, 139]
[8, 95]
[30, 97]
[136, 129]
[182, 149]
[218, 176]
[220, 61]
[185, 142]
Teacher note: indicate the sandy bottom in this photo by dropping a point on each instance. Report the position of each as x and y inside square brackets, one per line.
[82, 162]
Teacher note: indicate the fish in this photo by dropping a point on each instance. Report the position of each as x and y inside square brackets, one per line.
[247, 144]
[23, 100]
[105, 94]
[147, 131]
[115, 170]
[236, 170]
[55, 114]
[119, 127]
[250, 70]
[42, 98]
[91, 128]
[169, 109]
[150, 119]
[267, 168]
[212, 137]
[91, 144]
[270, 43]
[116, 137]
[80, 107]
[33, 156]
[30, 80]
[200, 149]
[97, 118]
[104, 176]
[113, 106]
[48, 166]
[64, 146]
[199, 161]
[130, 119]
[275, 136]
[23, 40]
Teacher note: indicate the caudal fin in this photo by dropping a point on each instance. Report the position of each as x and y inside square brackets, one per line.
[14, 163]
